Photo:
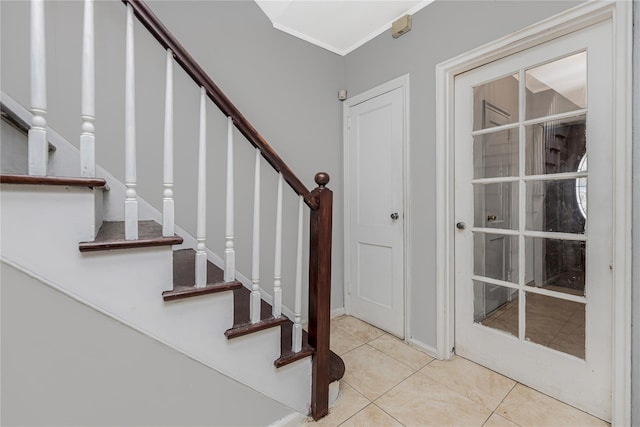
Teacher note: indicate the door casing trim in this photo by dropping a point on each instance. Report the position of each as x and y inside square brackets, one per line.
[403, 83]
[574, 19]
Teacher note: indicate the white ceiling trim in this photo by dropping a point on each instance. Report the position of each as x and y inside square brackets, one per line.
[275, 9]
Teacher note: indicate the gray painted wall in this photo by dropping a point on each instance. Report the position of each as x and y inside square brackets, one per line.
[434, 37]
[635, 345]
[64, 363]
[286, 87]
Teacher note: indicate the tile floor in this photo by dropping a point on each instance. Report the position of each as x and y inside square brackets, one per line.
[388, 383]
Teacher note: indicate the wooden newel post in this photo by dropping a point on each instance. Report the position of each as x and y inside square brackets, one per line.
[320, 293]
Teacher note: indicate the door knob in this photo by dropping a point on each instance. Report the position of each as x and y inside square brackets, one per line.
[491, 217]
[461, 226]
[395, 216]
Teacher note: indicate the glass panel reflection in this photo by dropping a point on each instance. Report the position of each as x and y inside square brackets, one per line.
[556, 265]
[496, 205]
[495, 103]
[555, 323]
[495, 256]
[495, 307]
[557, 87]
[495, 154]
[553, 206]
[556, 146]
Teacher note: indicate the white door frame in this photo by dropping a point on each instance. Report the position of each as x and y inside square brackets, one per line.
[566, 22]
[403, 83]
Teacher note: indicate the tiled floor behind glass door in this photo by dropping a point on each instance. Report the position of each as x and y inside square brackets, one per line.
[388, 383]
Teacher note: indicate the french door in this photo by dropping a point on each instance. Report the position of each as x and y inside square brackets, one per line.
[533, 285]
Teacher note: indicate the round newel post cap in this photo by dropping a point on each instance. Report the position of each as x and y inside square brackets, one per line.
[322, 179]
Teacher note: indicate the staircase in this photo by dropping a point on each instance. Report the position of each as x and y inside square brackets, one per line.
[141, 268]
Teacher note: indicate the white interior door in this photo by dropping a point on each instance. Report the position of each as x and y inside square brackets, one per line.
[374, 176]
[532, 267]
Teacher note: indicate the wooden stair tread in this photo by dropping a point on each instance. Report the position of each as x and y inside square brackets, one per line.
[53, 180]
[184, 278]
[111, 236]
[287, 356]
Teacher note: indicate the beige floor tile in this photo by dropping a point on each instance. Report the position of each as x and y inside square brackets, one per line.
[528, 407]
[397, 349]
[496, 420]
[471, 380]
[372, 372]
[371, 416]
[349, 403]
[343, 342]
[422, 401]
[357, 327]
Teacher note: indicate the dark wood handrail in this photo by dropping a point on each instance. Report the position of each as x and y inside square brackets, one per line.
[201, 78]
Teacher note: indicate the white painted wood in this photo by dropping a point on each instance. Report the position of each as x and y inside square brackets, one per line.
[131, 196]
[582, 383]
[229, 250]
[566, 22]
[254, 308]
[201, 220]
[168, 209]
[374, 190]
[297, 311]
[38, 144]
[277, 267]
[87, 137]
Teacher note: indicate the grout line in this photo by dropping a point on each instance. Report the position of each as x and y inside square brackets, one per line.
[387, 412]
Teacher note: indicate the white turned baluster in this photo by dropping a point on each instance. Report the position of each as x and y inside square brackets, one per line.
[88, 137]
[254, 308]
[277, 268]
[229, 251]
[168, 216]
[201, 220]
[297, 310]
[131, 196]
[38, 144]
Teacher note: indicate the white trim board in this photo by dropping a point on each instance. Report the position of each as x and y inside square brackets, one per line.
[404, 83]
[569, 21]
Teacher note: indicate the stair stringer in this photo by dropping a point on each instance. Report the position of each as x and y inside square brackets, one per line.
[41, 228]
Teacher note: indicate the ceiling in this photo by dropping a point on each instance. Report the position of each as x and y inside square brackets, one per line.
[337, 25]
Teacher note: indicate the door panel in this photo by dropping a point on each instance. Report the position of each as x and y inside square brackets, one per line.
[376, 252]
[532, 277]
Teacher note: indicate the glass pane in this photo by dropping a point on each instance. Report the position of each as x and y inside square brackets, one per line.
[556, 265]
[555, 323]
[495, 103]
[495, 256]
[556, 146]
[495, 154]
[496, 205]
[557, 87]
[495, 307]
[553, 206]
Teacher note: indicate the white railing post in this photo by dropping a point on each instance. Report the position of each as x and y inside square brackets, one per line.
[296, 339]
[38, 144]
[88, 114]
[168, 215]
[277, 268]
[254, 308]
[131, 196]
[229, 251]
[201, 220]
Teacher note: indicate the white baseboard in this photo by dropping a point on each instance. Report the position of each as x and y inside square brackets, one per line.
[419, 345]
[337, 312]
[292, 420]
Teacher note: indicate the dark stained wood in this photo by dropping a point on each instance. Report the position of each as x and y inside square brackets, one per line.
[320, 295]
[201, 78]
[287, 356]
[11, 117]
[337, 368]
[249, 328]
[53, 180]
[184, 278]
[111, 236]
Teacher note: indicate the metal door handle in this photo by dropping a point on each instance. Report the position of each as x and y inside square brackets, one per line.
[491, 217]
[461, 226]
[395, 216]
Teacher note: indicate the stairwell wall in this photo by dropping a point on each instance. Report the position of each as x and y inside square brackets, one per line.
[284, 86]
[64, 363]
